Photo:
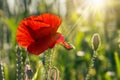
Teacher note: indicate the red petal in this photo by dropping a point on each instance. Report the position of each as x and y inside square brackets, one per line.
[47, 42]
[52, 20]
[61, 40]
[54, 40]
[44, 20]
[67, 46]
[37, 48]
[35, 25]
[23, 37]
[43, 44]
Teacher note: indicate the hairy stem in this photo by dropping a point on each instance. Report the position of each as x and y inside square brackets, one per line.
[91, 65]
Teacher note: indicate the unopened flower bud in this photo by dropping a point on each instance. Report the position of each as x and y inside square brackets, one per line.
[95, 41]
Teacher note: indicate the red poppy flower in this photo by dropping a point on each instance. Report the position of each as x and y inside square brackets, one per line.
[38, 33]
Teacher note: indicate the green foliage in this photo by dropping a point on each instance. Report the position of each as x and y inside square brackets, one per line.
[117, 61]
[38, 74]
[12, 23]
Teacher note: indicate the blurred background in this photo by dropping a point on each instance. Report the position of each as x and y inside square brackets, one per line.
[80, 20]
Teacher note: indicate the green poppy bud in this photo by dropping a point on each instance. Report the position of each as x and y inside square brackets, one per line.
[95, 41]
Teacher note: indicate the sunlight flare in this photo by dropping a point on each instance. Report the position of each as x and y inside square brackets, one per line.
[97, 4]
[92, 8]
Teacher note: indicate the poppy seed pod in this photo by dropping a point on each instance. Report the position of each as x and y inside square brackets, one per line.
[95, 41]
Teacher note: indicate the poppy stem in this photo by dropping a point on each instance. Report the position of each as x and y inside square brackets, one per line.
[2, 74]
[48, 63]
[28, 69]
[19, 64]
[53, 73]
[91, 65]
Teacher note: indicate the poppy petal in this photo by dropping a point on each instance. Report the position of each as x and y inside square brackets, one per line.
[53, 20]
[65, 44]
[53, 40]
[25, 34]
[41, 45]
[35, 25]
[45, 19]
[23, 37]
[37, 48]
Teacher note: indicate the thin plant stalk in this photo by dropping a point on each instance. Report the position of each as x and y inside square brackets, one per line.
[95, 44]
[28, 70]
[47, 63]
[49, 56]
[19, 64]
[91, 65]
[2, 75]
